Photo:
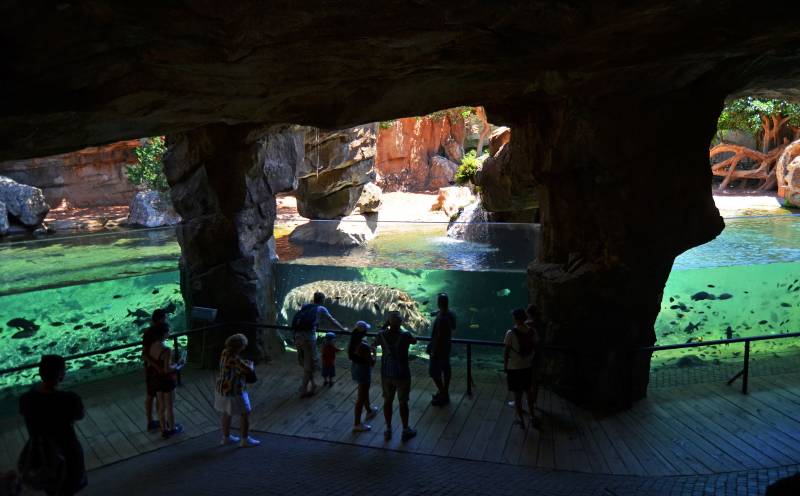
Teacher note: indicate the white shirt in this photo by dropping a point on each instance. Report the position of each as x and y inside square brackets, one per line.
[515, 360]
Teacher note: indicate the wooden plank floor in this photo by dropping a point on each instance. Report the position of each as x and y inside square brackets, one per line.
[697, 429]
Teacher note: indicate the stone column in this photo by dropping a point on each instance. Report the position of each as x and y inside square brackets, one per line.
[223, 183]
[623, 188]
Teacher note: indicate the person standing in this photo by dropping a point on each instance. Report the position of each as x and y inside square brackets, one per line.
[395, 372]
[520, 343]
[151, 374]
[50, 415]
[161, 355]
[362, 358]
[305, 324]
[439, 350]
[230, 394]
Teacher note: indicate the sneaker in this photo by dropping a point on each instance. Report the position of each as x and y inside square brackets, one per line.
[362, 428]
[230, 439]
[372, 412]
[153, 425]
[248, 442]
[177, 429]
[387, 434]
[408, 434]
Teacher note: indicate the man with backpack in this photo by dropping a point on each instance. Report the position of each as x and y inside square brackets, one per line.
[520, 345]
[439, 350]
[395, 372]
[304, 325]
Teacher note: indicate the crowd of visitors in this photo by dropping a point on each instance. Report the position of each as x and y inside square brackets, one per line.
[52, 459]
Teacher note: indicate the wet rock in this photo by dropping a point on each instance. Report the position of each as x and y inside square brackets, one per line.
[343, 233]
[23, 203]
[4, 226]
[506, 181]
[453, 198]
[152, 209]
[470, 225]
[351, 301]
[370, 199]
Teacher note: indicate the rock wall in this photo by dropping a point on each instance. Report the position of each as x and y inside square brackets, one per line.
[406, 146]
[93, 176]
[223, 183]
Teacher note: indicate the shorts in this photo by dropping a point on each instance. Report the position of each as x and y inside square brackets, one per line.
[400, 386]
[308, 356]
[520, 380]
[167, 383]
[152, 381]
[232, 405]
[439, 366]
[361, 373]
[329, 371]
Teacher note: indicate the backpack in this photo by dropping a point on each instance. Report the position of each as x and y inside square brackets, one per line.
[42, 465]
[527, 342]
[305, 320]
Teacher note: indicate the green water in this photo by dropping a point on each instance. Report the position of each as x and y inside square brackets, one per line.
[86, 293]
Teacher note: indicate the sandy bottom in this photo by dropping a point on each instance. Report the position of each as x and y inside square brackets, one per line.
[747, 205]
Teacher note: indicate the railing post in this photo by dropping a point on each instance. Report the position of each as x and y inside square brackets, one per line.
[469, 369]
[177, 353]
[746, 369]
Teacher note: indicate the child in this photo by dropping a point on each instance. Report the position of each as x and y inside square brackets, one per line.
[230, 395]
[329, 351]
[362, 357]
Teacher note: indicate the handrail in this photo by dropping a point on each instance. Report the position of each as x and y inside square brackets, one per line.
[744, 373]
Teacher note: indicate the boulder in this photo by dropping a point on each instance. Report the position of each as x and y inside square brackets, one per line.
[152, 209]
[24, 203]
[453, 149]
[370, 199]
[349, 301]
[453, 198]
[470, 225]
[336, 167]
[499, 137]
[340, 233]
[3, 219]
[507, 185]
[441, 173]
[792, 191]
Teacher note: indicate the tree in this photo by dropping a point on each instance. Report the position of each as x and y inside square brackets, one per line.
[148, 171]
[773, 123]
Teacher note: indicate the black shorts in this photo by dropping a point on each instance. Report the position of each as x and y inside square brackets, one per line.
[167, 383]
[152, 382]
[439, 366]
[520, 380]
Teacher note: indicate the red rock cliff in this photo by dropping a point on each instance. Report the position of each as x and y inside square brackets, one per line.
[90, 177]
[405, 147]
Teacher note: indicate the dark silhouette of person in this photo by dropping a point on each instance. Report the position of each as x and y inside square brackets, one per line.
[395, 372]
[439, 350]
[151, 375]
[50, 414]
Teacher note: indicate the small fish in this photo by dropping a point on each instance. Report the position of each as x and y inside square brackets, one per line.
[27, 333]
[426, 302]
[473, 309]
[56, 324]
[784, 304]
[474, 326]
[138, 313]
[155, 291]
[116, 297]
[762, 322]
[725, 296]
[21, 323]
[503, 292]
[702, 295]
[78, 327]
[711, 286]
[671, 299]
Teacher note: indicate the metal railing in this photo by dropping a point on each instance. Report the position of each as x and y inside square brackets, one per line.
[468, 343]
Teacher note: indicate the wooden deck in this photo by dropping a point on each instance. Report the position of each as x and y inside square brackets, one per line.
[698, 429]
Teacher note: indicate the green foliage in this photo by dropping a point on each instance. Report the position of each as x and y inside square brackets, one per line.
[148, 170]
[744, 114]
[470, 164]
[386, 124]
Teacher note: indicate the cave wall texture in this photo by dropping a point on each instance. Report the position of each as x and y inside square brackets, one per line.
[595, 92]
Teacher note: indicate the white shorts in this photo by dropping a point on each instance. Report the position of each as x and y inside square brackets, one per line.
[232, 405]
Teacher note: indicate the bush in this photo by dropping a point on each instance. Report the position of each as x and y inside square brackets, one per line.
[470, 164]
[148, 171]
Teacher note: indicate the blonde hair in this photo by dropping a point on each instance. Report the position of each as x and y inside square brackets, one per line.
[236, 342]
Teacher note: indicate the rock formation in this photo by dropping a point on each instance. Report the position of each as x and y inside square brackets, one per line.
[407, 146]
[4, 226]
[370, 200]
[351, 301]
[24, 204]
[792, 192]
[441, 173]
[453, 198]
[152, 209]
[341, 233]
[506, 181]
[337, 165]
[93, 176]
[593, 92]
[223, 183]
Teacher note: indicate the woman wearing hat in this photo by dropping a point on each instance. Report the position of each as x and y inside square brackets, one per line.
[362, 357]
